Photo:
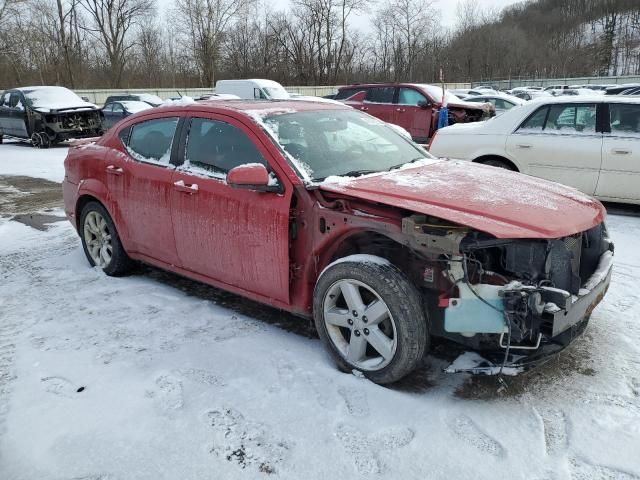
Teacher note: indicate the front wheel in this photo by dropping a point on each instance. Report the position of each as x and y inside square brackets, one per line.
[370, 318]
[498, 163]
[101, 242]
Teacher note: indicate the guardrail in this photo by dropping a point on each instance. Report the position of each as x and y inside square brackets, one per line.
[546, 82]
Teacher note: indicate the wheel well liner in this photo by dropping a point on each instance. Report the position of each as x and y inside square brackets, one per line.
[484, 158]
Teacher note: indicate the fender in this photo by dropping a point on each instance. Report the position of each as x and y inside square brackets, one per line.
[99, 190]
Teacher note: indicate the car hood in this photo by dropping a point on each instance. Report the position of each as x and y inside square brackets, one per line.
[502, 203]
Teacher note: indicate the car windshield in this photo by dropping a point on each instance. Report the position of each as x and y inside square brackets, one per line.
[148, 98]
[52, 97]
[133, 106]
[341, 143]
[276, 93]
[435, 93]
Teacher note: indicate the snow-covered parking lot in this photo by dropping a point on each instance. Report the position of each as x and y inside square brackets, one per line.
[157, 377]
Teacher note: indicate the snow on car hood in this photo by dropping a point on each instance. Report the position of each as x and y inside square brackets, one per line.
[500, 202]
[47, 99]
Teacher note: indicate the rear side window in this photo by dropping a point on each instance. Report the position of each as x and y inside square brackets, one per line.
[380, 94]
[151, 141]
[624, 120]
[217, 147]
[572, 118]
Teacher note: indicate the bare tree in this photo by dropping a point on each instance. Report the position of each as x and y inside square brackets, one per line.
[207, 22]
[111, 23]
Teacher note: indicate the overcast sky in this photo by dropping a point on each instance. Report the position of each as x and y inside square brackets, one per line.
[446, 7]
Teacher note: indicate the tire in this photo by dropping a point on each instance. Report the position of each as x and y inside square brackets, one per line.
[1, 138]
[496, 162]
[92, 231]
[342, 330]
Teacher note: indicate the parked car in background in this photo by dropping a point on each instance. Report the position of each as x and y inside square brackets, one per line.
[47, 115]
[115, 111]
[218, 96]
[631, 91]
[466, 92]
[559, 139]
[528, 93]
[336, 216]
[412, 106]
[152, 100]
[618, 89]
[500, 101]
[255, 88]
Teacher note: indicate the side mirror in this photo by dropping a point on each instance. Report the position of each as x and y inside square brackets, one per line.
[424, 104]
[252, 176]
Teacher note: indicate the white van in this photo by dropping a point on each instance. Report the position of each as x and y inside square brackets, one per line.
[256, 88]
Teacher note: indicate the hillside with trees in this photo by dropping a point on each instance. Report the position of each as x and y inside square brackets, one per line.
[128, 43]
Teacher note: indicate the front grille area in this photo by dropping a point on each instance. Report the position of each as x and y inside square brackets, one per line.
[572, 260]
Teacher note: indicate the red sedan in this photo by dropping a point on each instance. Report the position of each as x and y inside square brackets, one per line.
[327, 212]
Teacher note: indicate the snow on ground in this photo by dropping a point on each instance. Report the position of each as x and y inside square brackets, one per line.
[20, 158]
[156, 377]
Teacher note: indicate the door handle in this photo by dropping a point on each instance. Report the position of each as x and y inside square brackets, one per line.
[619, 151]
[185, 187]
[400, 110]
[113, 170]
[364, 108]
[523, 145]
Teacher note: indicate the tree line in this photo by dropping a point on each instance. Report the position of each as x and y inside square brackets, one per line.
[127, 44]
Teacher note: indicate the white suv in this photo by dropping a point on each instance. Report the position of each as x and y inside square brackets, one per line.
[590, 143]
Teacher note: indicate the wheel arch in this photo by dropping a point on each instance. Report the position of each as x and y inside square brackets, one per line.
[484, 158]
[94, 191]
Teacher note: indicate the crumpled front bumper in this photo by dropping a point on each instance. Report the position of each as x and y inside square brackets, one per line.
[568, 324]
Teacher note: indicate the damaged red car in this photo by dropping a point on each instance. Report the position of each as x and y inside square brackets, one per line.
[331, 214]
[412, 106]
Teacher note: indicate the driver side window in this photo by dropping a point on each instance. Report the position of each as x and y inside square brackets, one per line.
[217, 147]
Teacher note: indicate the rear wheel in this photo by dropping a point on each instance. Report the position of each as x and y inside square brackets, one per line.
[370, 318]
[101, 242]
[40, 140]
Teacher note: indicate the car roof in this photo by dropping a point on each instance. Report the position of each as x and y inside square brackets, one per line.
[265, 107]
[585, 99]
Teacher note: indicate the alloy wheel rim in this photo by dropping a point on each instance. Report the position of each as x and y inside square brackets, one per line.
[98, 239]
[360, 325]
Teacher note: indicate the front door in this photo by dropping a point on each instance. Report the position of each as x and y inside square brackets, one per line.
[413, 114]
[620, 172]
[237, 237]
[559, 142]
[140, 183]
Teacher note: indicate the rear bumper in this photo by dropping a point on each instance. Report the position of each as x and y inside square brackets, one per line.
[70, 195]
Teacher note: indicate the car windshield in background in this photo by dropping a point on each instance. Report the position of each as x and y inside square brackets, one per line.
[133, 106]
[328, 143]
[52, 97]
[435, 92]
[276, 93]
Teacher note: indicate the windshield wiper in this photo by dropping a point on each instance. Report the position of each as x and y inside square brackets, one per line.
[358, 173]
[395, 167]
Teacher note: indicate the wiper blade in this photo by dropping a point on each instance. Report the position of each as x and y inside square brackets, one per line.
[395, 167]
[358, 173]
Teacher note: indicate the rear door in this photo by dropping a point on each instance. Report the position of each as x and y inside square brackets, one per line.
[559, 142]
[411, 116]
[139, 180]
[234, 236]
[620, 172]
[379, 103]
